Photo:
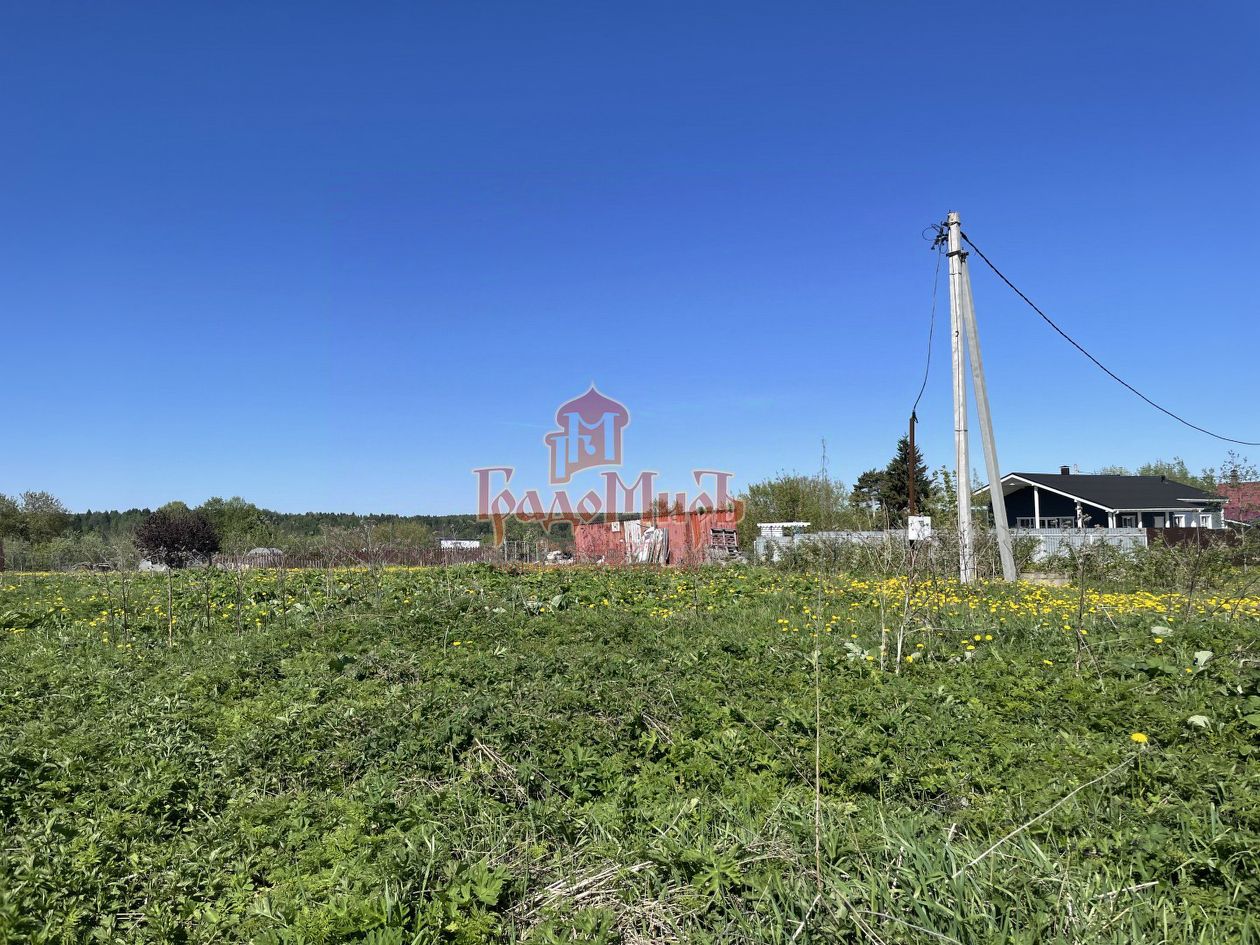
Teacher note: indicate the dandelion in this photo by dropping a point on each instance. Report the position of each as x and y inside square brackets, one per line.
[1139, 737]
[1159, 639]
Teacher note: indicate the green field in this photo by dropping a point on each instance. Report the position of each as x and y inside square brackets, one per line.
[736, 755]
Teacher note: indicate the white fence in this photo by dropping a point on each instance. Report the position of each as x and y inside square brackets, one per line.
[1055, 541]
[1050, 541]
[770, 548]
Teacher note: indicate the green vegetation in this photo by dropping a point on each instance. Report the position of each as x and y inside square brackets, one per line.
[888, 489]
[727, 755]
[38, 533]
[1234, 468]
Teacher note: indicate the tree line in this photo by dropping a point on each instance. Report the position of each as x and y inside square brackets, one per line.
[38, 524]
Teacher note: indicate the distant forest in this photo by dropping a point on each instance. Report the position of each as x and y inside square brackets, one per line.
[37, 527]
[274, 527]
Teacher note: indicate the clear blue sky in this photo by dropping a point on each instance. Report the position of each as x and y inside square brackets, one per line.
[333, 256]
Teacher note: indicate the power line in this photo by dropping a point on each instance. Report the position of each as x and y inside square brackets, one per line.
[927, 367]
[1112, 374]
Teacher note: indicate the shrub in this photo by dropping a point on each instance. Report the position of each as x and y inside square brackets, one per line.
[175, 535]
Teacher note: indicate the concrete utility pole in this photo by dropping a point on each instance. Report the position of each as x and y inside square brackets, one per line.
[963, 323]
[962, 465]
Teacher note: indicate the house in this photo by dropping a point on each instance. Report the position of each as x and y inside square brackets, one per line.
[1242, 502]
[1070, 500]
[461, 543]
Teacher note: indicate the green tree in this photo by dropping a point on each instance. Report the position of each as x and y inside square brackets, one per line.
[894, 495]
[1233, 470]
[37, 517]
[397, 532]
[792, 497]
[1177, 470]
[241, 525]
[887, 490]
[10, 517]
[867, 491]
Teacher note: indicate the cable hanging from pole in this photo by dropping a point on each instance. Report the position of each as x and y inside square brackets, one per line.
[1106, 370]
[927, 370]
[927, 367]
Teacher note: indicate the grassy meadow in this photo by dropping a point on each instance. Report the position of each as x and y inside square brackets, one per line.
[572, 754]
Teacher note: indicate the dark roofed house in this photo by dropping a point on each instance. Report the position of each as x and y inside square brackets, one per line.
[1070, 500]
[1242, 501]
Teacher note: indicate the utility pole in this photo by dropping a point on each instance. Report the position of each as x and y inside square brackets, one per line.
[963, 322]
[962, 464]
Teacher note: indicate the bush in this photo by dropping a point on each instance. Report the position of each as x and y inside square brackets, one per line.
[175, 535]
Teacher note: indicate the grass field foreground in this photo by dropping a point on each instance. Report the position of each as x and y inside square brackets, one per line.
[619, 755]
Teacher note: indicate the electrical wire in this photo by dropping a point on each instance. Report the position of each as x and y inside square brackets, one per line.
[927, 367]
[1075, 344]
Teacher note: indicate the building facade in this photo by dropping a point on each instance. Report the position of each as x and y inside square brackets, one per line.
[1070, 500]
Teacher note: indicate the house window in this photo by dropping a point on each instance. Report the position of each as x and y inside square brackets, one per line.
[1179, 520]
[1025, 522]
[1205, 519]
[1128, 521]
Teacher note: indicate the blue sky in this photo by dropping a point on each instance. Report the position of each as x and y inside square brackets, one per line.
[334, 256]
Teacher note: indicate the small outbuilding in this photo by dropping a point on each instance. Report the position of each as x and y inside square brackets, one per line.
[676, 538]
